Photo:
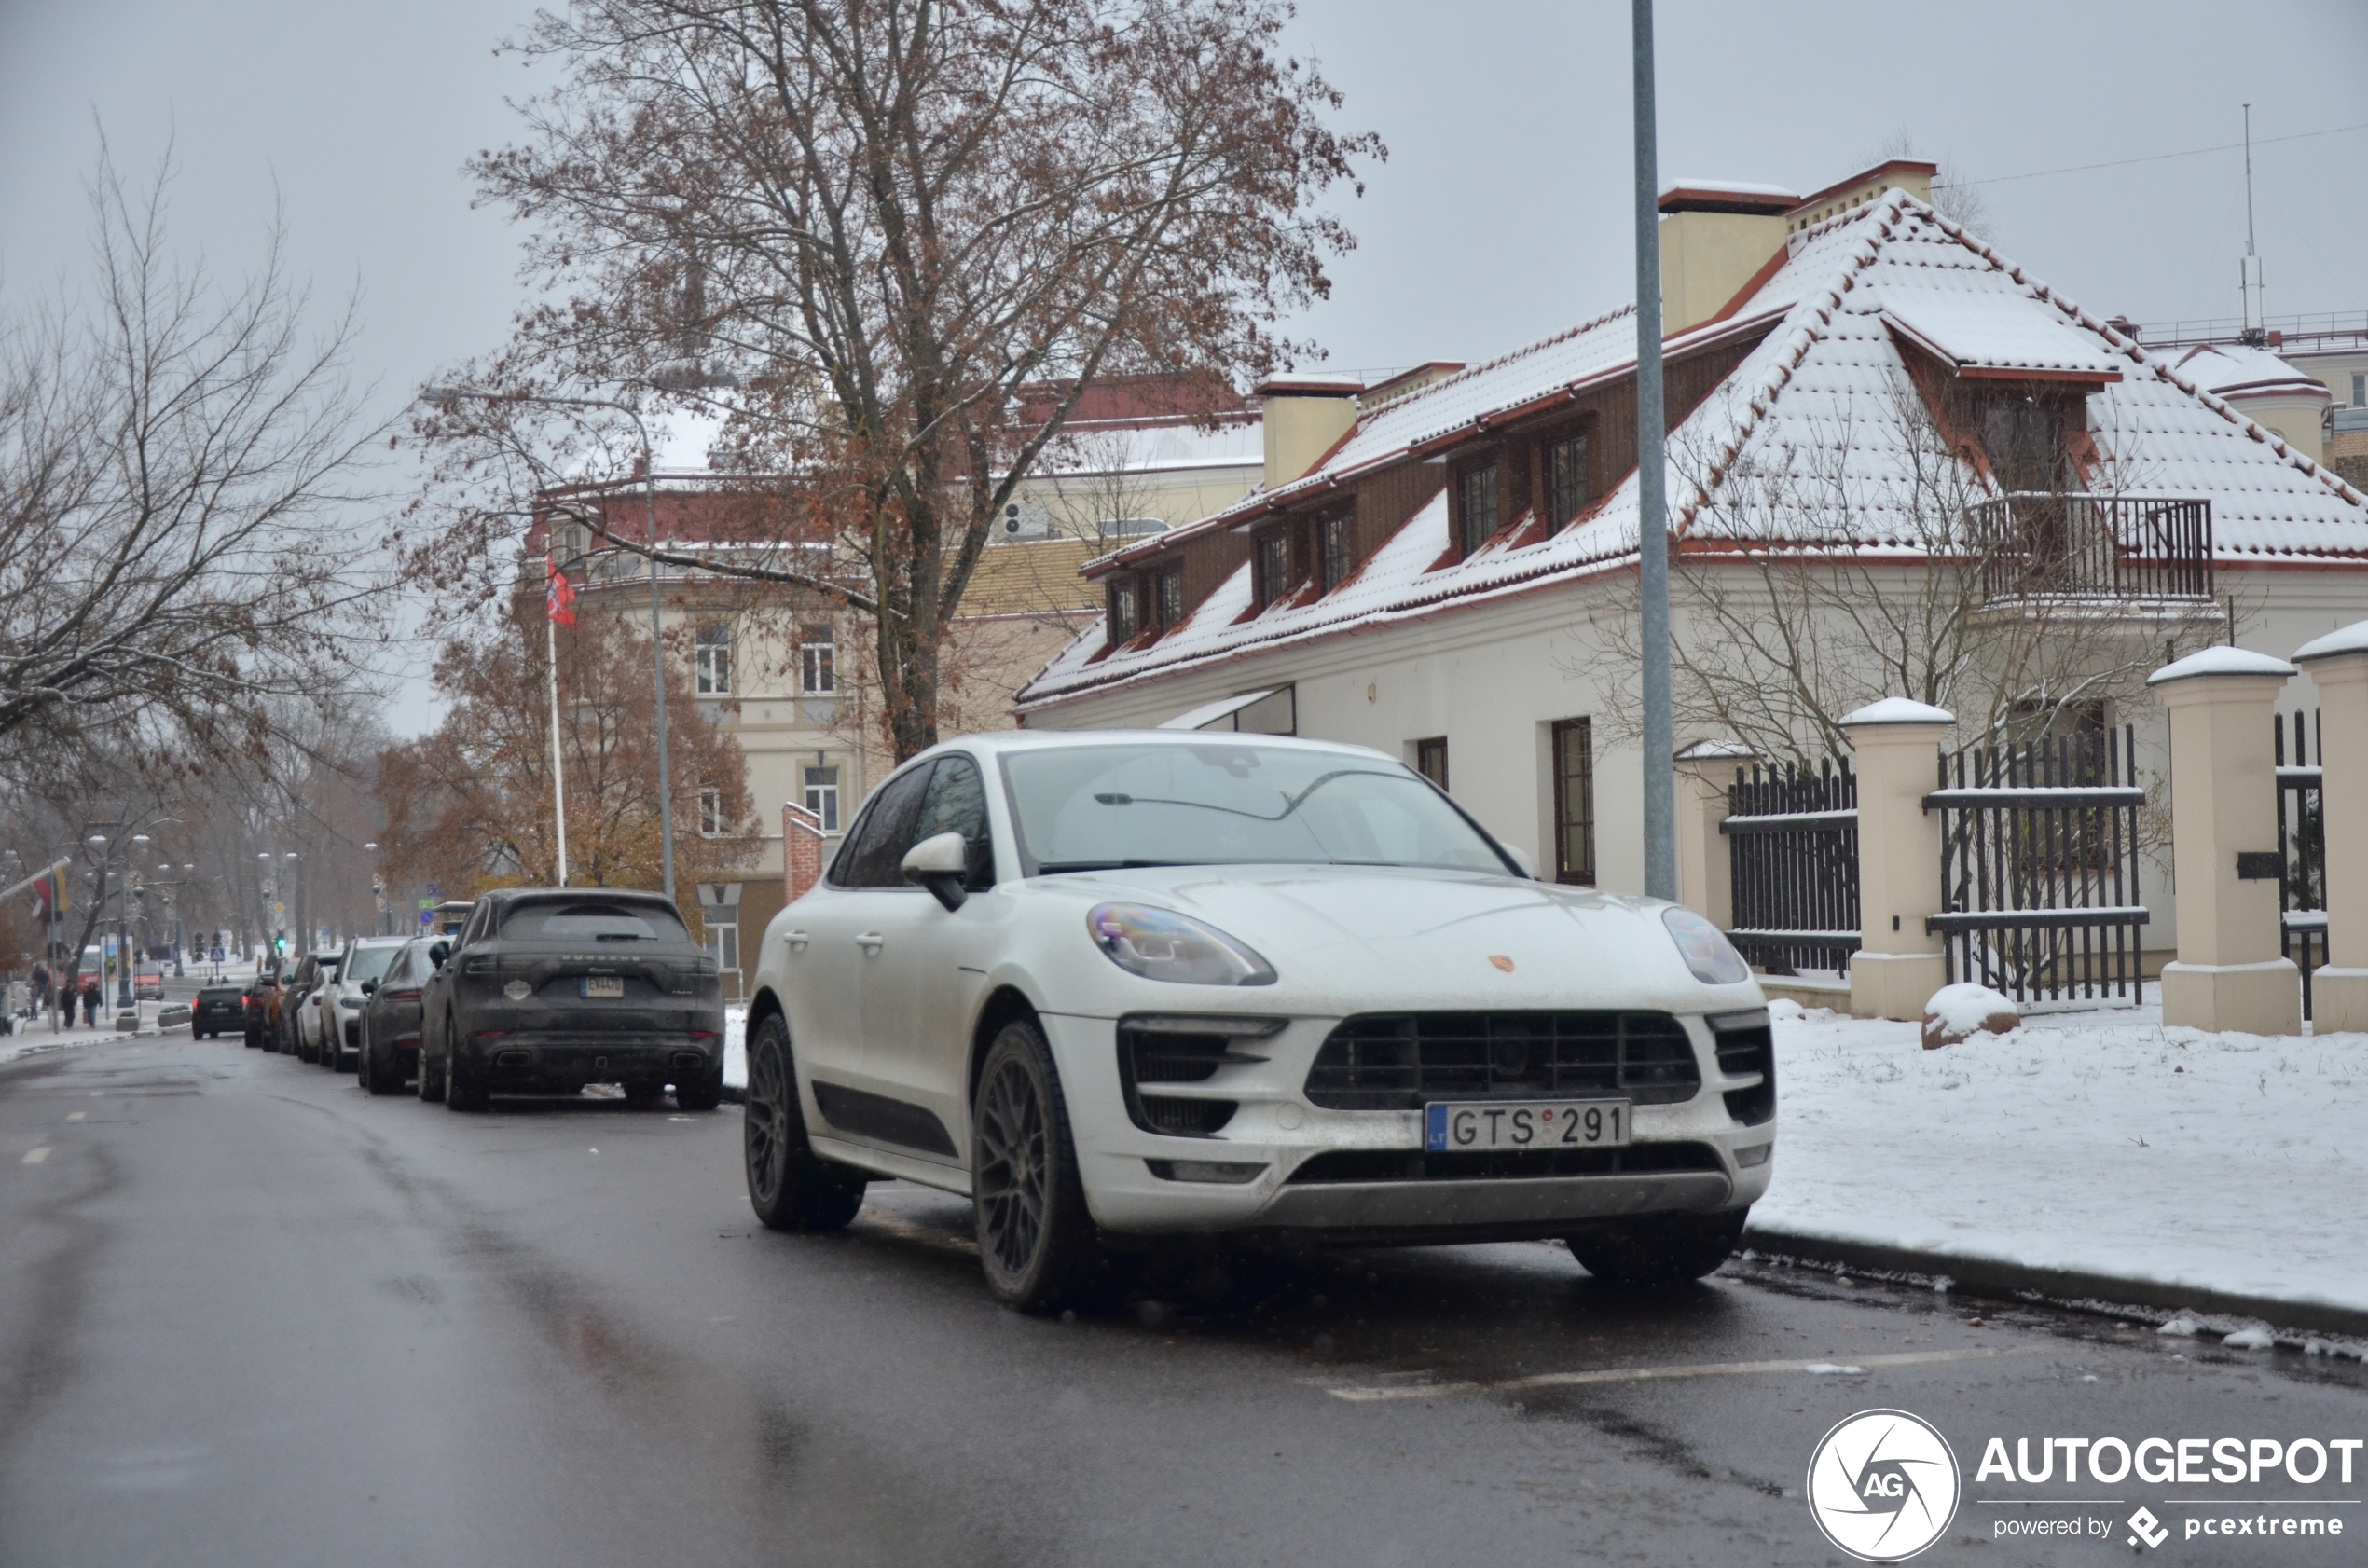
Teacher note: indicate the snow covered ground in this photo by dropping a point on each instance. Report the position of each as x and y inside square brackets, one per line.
[735, 1046]
[2094, 1141]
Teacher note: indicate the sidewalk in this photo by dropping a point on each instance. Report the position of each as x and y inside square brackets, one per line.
[38, 1034]
[2126, 1159]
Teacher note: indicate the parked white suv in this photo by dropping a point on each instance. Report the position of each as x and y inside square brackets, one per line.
[1148, 982]
[331, 1017]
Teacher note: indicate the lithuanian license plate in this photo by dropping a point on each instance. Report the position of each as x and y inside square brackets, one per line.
[1474, 1127]
[608, 986]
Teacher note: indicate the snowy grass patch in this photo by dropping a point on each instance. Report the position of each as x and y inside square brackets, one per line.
[2096, 1141]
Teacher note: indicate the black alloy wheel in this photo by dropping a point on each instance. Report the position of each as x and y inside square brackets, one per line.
[1660, 1252]
[789, 1187]
[1036, 1237]
[463, 1091]
[431, 1070]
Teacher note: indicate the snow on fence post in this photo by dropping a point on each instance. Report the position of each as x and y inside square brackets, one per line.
[2232, 973]
[1896, 744]
[1705, 869]
[2339, 665]
[800, 852]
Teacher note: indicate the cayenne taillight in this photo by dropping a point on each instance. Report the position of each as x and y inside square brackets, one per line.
[400, 995]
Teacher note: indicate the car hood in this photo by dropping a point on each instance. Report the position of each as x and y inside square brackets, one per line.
[1354, 939]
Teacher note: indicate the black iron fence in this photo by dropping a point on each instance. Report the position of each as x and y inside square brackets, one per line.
[1793, 844]
[2039, 866]
[2036, 544]
[2301, 847]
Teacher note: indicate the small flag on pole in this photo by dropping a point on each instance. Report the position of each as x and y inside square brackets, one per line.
[559, 594]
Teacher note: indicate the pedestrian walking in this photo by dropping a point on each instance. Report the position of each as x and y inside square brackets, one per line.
[91, 1007]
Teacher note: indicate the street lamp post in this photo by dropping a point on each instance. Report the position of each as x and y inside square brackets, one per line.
[650, 521]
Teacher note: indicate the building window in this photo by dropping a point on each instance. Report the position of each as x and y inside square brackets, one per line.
[1171, 591]
[1476, 503]
[822, 796]
[712, 823]
[1565, 480]
[2360, 391]
[1430, 760]
[711, 657]
[817, 665]
[1122, 622]
[1274, 563]
[1575, 803]
[2023, 434]
[1337, 549]
[722, 939]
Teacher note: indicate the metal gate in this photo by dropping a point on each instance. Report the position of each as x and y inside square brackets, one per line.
[1794, 855]
[2301, 848]
[2039, 867]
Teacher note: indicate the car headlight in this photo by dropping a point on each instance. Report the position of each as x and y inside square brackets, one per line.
[1161, 944]
[1707, 953]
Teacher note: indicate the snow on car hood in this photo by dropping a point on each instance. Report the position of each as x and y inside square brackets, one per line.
[1353, 938]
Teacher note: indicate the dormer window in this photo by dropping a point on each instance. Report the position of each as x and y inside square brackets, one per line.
[1122, 622]
[2024, 435]
[1566, 493]
[1336, 548]
[1272, 566]
[1171, 597]
[1476, 507]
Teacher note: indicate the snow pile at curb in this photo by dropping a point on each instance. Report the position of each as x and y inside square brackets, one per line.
[735, 1047]
[2100, 1142]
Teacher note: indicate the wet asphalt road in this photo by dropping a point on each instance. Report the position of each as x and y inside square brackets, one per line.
[250, 1315]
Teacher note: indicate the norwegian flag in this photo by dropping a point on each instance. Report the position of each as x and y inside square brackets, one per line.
[559, 594]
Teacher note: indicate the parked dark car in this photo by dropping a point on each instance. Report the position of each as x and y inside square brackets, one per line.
[548, 989]
[217, 1009]
[261, 996]
[389, 1051]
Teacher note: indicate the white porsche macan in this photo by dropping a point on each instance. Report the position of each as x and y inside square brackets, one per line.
[1116, 985]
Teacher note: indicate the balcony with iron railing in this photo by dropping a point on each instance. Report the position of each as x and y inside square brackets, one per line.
[2134, 551]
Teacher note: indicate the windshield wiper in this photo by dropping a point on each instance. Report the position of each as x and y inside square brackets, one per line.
[1054, 868]
[1290, 802]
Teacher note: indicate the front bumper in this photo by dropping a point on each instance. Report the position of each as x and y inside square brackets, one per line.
[1277, 1129]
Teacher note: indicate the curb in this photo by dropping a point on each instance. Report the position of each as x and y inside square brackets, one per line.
[1998, 1279]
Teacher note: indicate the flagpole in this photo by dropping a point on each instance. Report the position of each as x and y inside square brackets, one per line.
[551, 642]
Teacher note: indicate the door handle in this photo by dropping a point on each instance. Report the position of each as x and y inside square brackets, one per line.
[870, 941]
[796, 940]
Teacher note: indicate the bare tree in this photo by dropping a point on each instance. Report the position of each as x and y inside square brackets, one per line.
[170, 453]
[885, 217]
[1818, 576]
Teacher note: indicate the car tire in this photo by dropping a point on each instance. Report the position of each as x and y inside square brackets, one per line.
[1654, 1254]
[1037, 1241]
[463, 1091]
[430, 1079]
[378, 1078]
[789, 1186]
[705, 1093]
[251, 1042]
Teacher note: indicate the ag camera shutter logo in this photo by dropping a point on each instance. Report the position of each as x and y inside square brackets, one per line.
[1884, 1485]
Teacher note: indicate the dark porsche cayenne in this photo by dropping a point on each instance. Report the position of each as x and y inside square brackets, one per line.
[548, 989]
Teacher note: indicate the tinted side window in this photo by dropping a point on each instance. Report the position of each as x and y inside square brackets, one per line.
[874, 852]
[956, 804]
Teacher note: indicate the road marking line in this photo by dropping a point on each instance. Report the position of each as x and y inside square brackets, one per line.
[37, 1156]
[76, 1116]
[1365, 1394]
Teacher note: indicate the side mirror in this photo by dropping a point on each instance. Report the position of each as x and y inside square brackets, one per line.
[439, 953]
[369, 987]
[1521, 859]
[940, 864]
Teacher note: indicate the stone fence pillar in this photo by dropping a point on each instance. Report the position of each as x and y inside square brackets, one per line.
[2338, 662]
[800, 852]
[1895, 745]
[1705, 866]
[2232, 971]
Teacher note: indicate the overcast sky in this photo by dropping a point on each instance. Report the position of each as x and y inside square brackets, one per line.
[1500, 217]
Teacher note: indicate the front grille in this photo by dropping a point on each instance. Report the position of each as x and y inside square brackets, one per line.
[1405, 1061]
[1151, 1056]
[1749, 1048]
[1178, 1117]
[1413, 1165]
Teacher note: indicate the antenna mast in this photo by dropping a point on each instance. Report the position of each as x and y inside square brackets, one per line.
[2249, 286]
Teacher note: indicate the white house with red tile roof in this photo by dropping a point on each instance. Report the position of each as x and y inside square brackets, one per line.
[1418, 584]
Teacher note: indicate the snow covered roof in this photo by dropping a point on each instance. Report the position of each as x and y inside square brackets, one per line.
[2238, 370]
[1830, 322]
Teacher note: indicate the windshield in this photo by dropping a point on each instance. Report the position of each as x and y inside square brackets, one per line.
[1096, 807]
[550, 920]
[370, 963]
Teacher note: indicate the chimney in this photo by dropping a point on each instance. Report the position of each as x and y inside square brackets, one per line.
[1303, 419]
[800, 852]
[1715, 237]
